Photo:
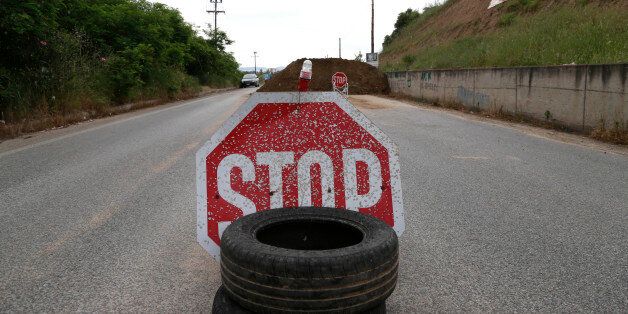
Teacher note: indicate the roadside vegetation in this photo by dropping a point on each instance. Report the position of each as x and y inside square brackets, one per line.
[465, 34]
[414, 17]
[614, 135]
[523, 33]
[63, 57]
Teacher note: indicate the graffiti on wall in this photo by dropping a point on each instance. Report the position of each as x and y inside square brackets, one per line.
[477, 99]
[426, 81]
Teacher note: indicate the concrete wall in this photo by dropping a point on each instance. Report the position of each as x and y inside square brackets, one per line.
[580, 97]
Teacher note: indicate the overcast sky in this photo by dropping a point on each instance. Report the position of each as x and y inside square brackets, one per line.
[283, 30]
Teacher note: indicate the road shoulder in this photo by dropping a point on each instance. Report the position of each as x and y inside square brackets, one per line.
[370, 102]
[29, 140]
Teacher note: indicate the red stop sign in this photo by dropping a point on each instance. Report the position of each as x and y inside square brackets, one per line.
[290, 150]
[339, 80]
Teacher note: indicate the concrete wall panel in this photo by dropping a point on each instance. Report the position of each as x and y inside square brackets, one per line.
[607, 78]
[602, 109]
[556, 92]
[558, 105]
[498, 87]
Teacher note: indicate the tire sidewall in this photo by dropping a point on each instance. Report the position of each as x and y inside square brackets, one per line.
[242, 233]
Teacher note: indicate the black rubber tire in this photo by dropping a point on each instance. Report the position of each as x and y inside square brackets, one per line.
[378, 309]
[268, 278]
[224, 305]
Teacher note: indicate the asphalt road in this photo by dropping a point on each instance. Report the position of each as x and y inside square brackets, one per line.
[101, 216]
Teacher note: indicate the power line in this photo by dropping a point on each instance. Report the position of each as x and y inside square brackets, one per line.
[372, 26]
[340, 48]
[255, 57]
[215, 12]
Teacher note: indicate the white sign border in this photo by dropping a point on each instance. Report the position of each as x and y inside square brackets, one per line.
[291, 98]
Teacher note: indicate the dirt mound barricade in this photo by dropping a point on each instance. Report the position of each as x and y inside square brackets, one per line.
[363, 78]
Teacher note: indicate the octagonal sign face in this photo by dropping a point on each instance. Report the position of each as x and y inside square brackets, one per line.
[289, 150]
[339, 80]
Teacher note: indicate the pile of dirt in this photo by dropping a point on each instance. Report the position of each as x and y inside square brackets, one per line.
[363, 78]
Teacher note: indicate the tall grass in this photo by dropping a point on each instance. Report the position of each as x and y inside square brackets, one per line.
[581, 35]
[71, 80]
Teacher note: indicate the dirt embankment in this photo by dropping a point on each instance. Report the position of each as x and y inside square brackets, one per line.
[472, 17]
[363, 78]
[459, 19]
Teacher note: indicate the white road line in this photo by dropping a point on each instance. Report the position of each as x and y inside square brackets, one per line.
[46, 142]
[470, 157]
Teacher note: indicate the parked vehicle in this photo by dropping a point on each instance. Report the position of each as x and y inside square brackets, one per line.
[249, 80]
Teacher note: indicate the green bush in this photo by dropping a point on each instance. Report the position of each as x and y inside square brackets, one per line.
[413, 17]
[507, 19]
[403, 20]
[408, 60]
[67, 55]
[522, 5]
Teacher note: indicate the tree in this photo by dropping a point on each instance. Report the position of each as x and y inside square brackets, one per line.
[26, 28]
[117, 50]
[359, 57]
[406, 18]
[403, 19]
[219, 39]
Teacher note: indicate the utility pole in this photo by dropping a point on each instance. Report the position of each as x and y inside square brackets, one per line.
[215, 12]
[255, 57]
[372, 26]
[340, 48]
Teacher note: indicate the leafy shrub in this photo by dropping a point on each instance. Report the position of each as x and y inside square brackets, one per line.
[408, 60]
[67, 55]
[522, 5]
[403, 20]
[415, 17]
[507, 19]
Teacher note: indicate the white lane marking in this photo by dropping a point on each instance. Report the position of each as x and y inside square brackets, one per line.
[46, 142]
[470, 157]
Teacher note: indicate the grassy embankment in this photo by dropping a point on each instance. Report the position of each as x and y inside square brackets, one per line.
[564, 35]
[525, 33]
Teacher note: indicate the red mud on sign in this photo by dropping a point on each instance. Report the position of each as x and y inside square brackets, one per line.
[292, 132]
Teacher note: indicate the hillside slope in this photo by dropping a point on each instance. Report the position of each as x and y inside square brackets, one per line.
[464, 33]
